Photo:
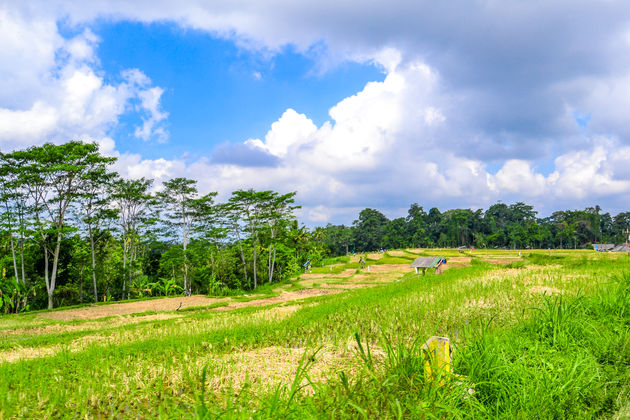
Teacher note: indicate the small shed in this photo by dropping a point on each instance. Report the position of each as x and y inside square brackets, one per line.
[427, 262]
[621, 248]
[603, 247]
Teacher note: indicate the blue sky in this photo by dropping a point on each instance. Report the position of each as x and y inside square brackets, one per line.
[216, 92]
[351, 104]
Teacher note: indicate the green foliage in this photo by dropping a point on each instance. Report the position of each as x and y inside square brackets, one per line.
[543, 259]
[336, 260]
[14, 295]
[512, 226]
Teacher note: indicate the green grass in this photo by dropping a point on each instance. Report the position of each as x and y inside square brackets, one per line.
[526, 354]
[336, 260]
[391, 260]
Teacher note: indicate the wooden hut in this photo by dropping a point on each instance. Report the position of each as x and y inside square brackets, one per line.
[428, 262]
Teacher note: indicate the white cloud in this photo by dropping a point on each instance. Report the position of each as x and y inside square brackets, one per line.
[433, 116]
[290, 131]
[51, 88]
[517, 177]
[455, 99]
[373, 152]
[150, 100]
[378, 150]
[585, 173]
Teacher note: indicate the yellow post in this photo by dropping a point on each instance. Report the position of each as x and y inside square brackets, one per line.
[438, 362]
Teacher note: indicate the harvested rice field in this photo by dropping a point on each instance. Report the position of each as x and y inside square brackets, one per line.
[541, 334]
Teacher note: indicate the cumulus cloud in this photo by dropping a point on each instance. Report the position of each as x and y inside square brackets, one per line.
[468, 86]
[52, 90]
[378, 150]
[248, 154]
[517, 176]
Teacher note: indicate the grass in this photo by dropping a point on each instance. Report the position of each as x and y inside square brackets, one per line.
[539, 337]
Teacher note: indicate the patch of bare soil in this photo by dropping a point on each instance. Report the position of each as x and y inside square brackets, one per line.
[455, 262]
[389, 268]
[284, 297]
[125, 308]
[458, 260]
[347, 286]
[344, 274]
[49, 329]
[397, 253]
[372, 256]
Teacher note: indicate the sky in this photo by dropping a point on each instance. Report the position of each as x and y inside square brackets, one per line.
[352, 104]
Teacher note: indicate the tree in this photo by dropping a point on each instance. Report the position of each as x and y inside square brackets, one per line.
[132, 200]
[395, 234]
[14, 197]
[417, 226]
[177, 198]
[337, 239]
[369, 229]
[434, 219]
[277, 213]
[53, 176]
[94, 209]
[621, 222]
[207, 219]
[258, 210]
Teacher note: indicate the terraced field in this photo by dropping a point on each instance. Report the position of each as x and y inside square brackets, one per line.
[543, 333]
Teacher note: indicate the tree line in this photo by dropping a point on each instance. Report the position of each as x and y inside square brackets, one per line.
[74, 231]
[500, 226]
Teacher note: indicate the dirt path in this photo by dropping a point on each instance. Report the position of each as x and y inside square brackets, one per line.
[126, 308]
[284, 297]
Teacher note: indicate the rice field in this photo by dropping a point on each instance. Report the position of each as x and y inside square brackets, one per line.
[539, 334]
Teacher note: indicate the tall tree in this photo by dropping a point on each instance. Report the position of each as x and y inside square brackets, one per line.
[277, 213]
[369, 229]
[94, 212]
[133, 201]
[178, 199]
[15, 200]
[259, 210]
[54, 176]
[416, 226]
[207, 219]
